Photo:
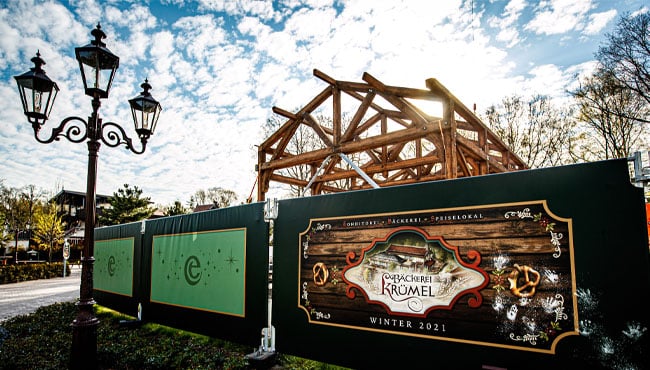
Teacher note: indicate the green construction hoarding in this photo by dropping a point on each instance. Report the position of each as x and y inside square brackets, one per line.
[190, 270]
[532, 269]
[114, 266]
[205, 272]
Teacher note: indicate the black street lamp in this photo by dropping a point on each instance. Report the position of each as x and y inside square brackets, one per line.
[38, 92]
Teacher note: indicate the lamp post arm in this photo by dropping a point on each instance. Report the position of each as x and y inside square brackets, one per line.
[76, 132]
[114, 135]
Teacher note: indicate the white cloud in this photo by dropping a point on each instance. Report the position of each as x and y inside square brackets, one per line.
[559, 16]
[259, 8]
[598, 21]
[222, 65]
[507, 22]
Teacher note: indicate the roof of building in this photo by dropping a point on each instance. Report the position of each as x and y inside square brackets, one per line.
[77, 193]
[205, 207]
[407, 250]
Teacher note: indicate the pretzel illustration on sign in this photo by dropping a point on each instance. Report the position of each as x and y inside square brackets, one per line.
[528, 288]
[321, 273]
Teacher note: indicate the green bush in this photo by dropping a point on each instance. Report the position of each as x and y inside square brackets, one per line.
[42, 340]
[31, 271]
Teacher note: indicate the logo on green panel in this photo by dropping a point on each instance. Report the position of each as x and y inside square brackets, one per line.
[192, 270]
[203, 270]
[111, 265]
[114, 266]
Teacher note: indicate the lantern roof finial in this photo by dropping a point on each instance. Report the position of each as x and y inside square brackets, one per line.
[99, 36]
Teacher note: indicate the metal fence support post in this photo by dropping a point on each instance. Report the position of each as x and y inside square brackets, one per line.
[265, 356]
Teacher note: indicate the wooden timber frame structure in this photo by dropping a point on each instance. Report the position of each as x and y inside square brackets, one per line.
[389, 140]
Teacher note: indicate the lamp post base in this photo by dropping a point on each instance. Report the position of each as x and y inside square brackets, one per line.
[83, 354]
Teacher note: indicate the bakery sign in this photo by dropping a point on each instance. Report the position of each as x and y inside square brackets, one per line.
[496, 275]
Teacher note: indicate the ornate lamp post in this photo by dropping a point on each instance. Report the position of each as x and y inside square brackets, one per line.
[38, 92]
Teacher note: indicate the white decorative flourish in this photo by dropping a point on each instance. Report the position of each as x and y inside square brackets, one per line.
[531, 338]
[555, 240]
[415, 304]
[304, 295]
[607, 346]
[551, 276]
[587, 328]
[530, 323]
[321, 316]
[501, 261]
[634, 330]
[512, 312]
[551, 305]
[321, 227]
[524, 301]
[587, 299]
[555, 237]
[559, 310]
[525, 213]
[305, 244]
[498, 305]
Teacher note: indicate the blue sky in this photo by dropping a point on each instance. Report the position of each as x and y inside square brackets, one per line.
[219, 66]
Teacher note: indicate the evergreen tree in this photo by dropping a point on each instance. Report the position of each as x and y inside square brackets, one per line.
[175, 209]
[127, 205]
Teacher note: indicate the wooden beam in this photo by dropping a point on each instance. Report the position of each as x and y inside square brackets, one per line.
[415, 114]
[350, 147]
[437, 88]
[462, 163]
[300, 183]
[336, 116]
[449, 139]
[472, 151]
[377, 168]
[286, 138]
[319, 99]
[351, 131]
[311, 122]
[480, 154]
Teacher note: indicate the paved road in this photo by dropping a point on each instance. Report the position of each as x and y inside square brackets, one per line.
[25, 297]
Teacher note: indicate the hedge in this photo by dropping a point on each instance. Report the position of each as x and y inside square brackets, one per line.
[31, 271]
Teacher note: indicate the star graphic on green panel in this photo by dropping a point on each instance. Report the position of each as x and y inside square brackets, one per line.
[231, 260]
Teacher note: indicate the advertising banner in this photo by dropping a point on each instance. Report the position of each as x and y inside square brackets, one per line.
[113, 270]
[529, 269]
[117, 281]
[193, 269]
[207, 272]
[511, 283]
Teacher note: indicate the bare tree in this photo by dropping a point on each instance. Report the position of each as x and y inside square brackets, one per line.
[304, 140]
[217, 196]
[541, 133]
[608, 109]
[626, 58]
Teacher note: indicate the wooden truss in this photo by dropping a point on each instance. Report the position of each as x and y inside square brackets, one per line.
[387, 139]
